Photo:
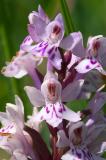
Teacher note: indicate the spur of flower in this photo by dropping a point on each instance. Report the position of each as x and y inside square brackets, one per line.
[50, 97]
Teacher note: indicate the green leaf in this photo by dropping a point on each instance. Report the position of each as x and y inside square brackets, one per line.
[77, 105]
[69, 27]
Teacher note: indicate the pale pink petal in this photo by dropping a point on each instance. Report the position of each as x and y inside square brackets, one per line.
[88, 64]
[74, 43]
[38, 22]
[21, 74]
[71, 91]
[10, 70]
[55, 58]
[4, 118]
[74, 59]
[19, 154]
[42, 14]
[103, 147]
[35, 96]
[70, 115]
[55, 31]
[101, 52]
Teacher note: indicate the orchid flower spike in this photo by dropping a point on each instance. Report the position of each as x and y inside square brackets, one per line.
[53, 111]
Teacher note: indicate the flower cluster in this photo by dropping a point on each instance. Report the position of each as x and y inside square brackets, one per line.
[72, 73]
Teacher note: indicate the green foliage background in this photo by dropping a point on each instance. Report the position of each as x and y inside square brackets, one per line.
[88, 17]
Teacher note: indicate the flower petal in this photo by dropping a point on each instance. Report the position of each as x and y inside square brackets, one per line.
[88, 64]
[71, 91]
[35, 96]
[97, 102]
[74, 42]
[55, 58]
[71, 115]
[62, 139]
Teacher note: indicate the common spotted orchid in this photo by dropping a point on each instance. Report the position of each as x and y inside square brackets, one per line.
[70, 76]
[13, 138]
[88, 58]
[78, 135]
[50, 96]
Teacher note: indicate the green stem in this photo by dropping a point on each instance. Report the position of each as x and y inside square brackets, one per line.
[69, 27]
[6, 53]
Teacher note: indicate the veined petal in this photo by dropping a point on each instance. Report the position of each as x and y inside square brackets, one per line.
[88, 64]
[55, 113]
[74, 42]
[27, 41]
[8, 130]
[72, 91]
[35, 96]
[80, 154]
[27, 48]
[14, 116]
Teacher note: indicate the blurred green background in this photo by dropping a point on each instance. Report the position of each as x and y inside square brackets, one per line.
[89, 17]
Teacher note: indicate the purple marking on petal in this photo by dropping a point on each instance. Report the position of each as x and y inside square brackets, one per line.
[60, 110]
[3, 130]
[55, 112]
[51, 50]
[47, 110]
[43, 49]
[79, 155]
[93, 61]
[11, 68]
[87, 67]
[86, 155]
[41, 118]
[63, 107]
[52, 56]
[26, 39]
[41, 44]
[56, 49]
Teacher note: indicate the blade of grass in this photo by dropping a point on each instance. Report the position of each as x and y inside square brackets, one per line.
[6, 53]
[69, 27]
